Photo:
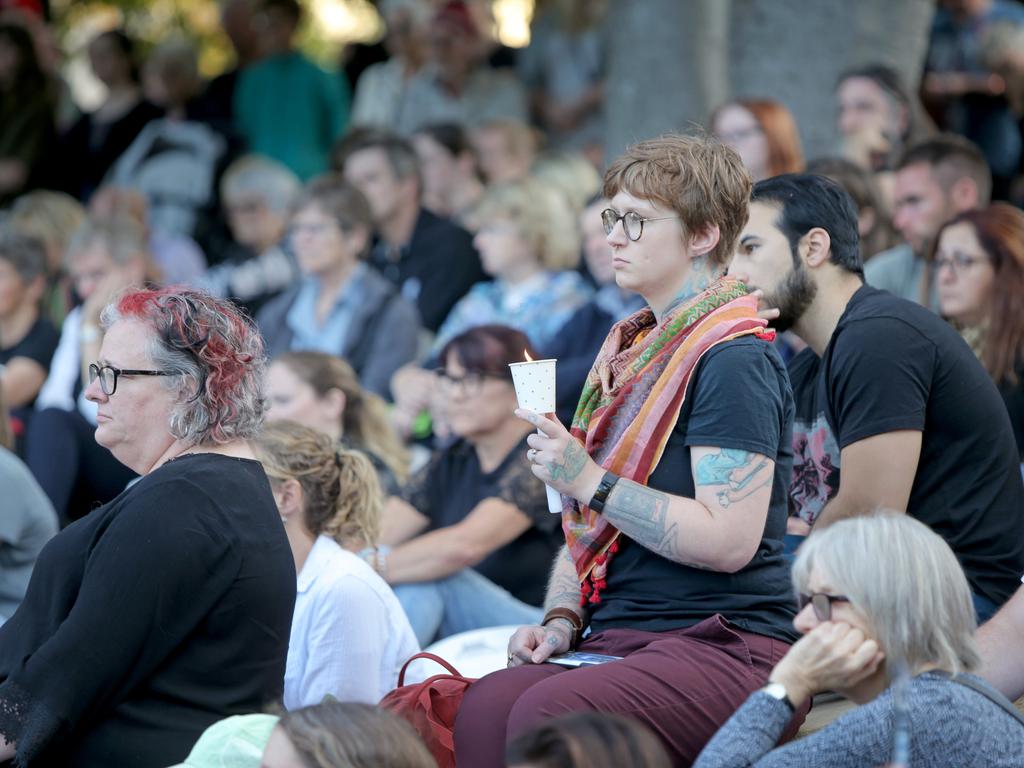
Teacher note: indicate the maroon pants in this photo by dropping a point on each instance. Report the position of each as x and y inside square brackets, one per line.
[683, 684]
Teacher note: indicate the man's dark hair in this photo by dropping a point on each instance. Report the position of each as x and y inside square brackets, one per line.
[886, 78]
[452, 136]
[399, 151]
[951, 158]
[806, 201]
[290, 9]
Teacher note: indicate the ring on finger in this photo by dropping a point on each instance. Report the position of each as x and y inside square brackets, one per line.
[530, 454]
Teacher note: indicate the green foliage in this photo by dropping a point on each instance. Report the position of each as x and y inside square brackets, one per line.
[151, 21]
[148, 21]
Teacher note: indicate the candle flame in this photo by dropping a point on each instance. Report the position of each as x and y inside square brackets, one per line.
[527, 356]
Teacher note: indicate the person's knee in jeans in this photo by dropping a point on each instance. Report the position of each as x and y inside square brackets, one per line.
[424, 607]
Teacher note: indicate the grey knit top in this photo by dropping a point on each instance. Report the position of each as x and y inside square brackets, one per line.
[950, 725]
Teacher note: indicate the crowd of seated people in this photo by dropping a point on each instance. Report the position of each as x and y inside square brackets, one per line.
[259, 438]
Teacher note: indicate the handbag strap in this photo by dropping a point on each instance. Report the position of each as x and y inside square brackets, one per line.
[431, 657]
[1005, 704]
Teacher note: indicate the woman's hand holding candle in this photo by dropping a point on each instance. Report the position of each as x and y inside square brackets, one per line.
[558, 458]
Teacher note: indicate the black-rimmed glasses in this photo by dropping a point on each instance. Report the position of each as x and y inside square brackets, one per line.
[821, 603]
[632, 222]
[469, 383]
[108, 375]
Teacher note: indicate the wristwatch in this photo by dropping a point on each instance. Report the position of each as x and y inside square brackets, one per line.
[778, 691]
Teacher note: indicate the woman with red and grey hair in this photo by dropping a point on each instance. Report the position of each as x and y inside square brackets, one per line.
[169, 607]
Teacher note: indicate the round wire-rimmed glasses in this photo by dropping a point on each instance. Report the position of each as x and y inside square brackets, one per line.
[632, 222]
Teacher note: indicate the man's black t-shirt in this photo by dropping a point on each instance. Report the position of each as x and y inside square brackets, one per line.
[739, 398]
[435, 269]
[453, 483]
[893, 365]
[1013, 399]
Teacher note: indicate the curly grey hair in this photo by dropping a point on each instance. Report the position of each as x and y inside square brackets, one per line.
[216, 351]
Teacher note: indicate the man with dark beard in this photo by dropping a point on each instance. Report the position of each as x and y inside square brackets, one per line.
[893, 408]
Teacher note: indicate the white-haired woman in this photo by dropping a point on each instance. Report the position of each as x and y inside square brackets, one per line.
[257, 194]
[888, 621]
[168, 608]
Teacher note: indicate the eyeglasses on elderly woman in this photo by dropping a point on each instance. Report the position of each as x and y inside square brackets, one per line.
[108, 375]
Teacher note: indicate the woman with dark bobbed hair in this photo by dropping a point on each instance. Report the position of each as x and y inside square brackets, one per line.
[470, 542]
[169, 607]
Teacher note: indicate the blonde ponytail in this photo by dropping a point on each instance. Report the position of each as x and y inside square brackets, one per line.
[356, 522]
[342, 494]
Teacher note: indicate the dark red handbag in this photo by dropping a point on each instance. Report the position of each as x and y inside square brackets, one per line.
[431, 706]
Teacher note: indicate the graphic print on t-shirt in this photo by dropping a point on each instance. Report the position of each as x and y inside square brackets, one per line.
[815, 468]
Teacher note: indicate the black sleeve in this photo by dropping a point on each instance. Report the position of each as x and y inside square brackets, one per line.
[739, 399]
[457, 270]
[879, 377]
[521, 488]
[151, 577]
[39, 345]
[418, 489]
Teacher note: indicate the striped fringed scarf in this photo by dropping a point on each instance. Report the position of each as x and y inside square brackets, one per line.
[632, 399]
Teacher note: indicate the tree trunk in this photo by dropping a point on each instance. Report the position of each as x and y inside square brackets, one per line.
[670, 62]
[793, 51]
[667, 67]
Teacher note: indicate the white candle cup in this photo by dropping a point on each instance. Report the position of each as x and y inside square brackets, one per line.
[535, 390]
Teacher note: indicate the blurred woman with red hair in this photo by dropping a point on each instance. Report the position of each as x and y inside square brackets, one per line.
[979, 261]
[168, 608]
[764, 134]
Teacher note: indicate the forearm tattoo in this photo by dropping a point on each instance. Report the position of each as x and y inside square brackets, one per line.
[743, 474]
[564, 586]
[642, 514]
[568, 468]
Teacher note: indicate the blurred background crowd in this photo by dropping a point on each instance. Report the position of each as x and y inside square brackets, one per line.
[405, 195]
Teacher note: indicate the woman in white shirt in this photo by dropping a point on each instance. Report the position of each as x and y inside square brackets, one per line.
[349, 635]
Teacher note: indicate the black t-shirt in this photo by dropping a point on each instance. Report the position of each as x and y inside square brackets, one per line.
[739, 398]
[1013, 399]
[436, 269]
[151, 618]
[893, 365]
[453, 483]
[38, 344]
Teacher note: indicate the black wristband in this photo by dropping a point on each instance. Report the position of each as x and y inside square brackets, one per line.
[603, 489]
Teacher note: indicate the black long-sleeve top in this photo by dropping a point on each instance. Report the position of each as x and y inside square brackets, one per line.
[150, 619]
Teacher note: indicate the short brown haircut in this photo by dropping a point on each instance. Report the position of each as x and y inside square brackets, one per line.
[699, 178]
[399, 151]
[339, 200]
[951, 158]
